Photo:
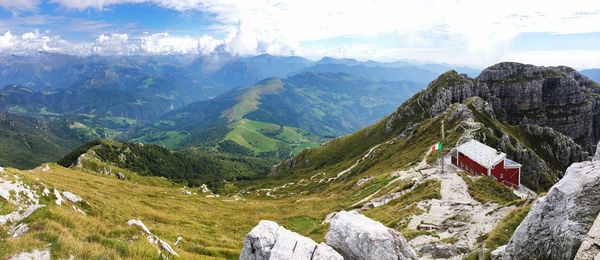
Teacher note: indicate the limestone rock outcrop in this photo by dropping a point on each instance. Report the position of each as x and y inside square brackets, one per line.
[558, 223]
[268, 240]
[358, 237]
[350, 236]
[590, 248]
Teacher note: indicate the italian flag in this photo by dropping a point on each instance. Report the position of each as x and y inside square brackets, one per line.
[436, 147]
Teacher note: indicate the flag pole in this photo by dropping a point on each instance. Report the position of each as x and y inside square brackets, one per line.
[442, 144]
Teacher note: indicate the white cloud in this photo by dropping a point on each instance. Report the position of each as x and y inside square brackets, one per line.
[163, 43]
[114, 44]
[7, 41]
[96, 4]
[31, 42]
[458, 31]
[19, 5]
[207, 44]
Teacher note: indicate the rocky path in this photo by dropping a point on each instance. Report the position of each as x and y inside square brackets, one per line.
[456, 216]
[454, 188]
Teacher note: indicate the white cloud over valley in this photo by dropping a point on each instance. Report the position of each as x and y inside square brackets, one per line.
[459, 31]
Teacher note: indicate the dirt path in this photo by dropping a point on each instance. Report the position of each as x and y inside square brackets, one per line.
[402, 175]
[347, 170]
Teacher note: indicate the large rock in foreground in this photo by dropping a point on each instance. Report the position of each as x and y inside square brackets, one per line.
[358, 237]
[558, 223]
[270, 241]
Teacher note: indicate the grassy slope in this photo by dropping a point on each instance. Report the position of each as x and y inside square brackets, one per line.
[485, 189]
[187, 166]
[27, 142]
[211, 227]
[260, 137]
[249, 101]
[256, 136]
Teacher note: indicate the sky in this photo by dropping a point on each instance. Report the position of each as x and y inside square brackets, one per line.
[470, 32]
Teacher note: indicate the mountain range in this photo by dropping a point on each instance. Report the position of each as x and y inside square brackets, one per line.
[137, 97]
[280, 115]
[137, 200]
[593, 74]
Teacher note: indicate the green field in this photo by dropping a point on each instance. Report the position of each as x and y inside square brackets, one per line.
[260, 137]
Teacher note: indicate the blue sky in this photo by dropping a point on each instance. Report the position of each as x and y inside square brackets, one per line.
[465, 32]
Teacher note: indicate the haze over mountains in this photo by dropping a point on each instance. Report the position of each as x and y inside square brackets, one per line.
[593, 74]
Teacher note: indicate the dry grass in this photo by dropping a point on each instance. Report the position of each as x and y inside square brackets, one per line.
[211, 227]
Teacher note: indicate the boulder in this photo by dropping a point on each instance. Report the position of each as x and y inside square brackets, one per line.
[268, 240]
[325, 252]
[120, 176]
[290, 245]
[71, 197]
[140, 224]
[59, 198]
[558, 223]
[358, 237]
[260, 240]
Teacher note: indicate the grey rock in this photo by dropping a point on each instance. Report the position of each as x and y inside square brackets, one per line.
[36, 254]
[290, 245]
[260, 240]
[558, 223]
[270, 241]
[325, 252]
[597, 155]
[362, 181]
[499, 253]
[71, 197]
[120, 176]
[442, 250]
[590, 247]
[358, 237]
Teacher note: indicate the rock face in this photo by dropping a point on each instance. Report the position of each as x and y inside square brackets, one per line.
[556, 105]
[597, 156]
[557, 224]
[358, 237]
[270, 241]
[557, 97]
[590, 248]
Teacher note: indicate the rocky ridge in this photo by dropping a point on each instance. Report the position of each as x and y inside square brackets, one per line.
[555, 107]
